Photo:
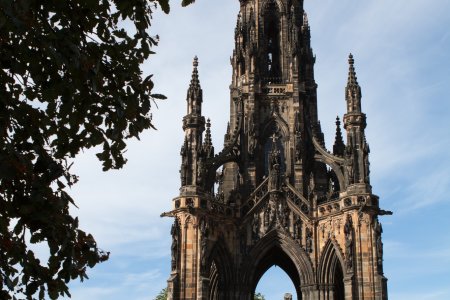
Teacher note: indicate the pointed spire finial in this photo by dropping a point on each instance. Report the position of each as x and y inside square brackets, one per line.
[207, 144]
[353, 90]
[352, 79]
[194, 93]
[195, 61]
[195, 83]
[208, 132]
[339, 146]
[351, 61]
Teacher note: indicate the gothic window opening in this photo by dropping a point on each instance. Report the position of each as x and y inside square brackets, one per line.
[272, 35]
[218, 186]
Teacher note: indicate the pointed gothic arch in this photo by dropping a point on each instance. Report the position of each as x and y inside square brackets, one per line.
[276, 248]
[219, 272]
[330, 273]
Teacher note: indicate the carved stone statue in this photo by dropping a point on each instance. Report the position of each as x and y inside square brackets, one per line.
[174, 231]
[366, 163]
[274, 180]
[286, 218]
[298, 147]
[309, 241]
[297, 229]
[348, 231]
[255, 227]
[204, 232]
[184, 163]
[251, 136]
[349, 166]
[267, 216]
[379, 245]
[311, 186]
[200, 170]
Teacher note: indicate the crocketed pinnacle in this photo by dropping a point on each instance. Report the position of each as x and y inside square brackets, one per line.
[352, 79]
[208, 141]
[353, 90]
[195, 83]
[339, 146]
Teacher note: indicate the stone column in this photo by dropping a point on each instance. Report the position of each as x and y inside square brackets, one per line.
[348, 287]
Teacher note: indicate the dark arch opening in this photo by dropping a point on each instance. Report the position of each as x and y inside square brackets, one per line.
[272, 42]
[339, 292]
[276, 256]
[219, 273]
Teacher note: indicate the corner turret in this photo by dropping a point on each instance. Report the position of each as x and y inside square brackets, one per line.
[357, 149]
[193, 126]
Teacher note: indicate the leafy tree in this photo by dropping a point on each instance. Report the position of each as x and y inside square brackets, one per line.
[259, 296]
[70, 80]
[162, 295]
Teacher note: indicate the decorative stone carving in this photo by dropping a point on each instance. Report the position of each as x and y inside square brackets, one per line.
[189, 202]
[286, 218]
[347, 202]
[348, 231]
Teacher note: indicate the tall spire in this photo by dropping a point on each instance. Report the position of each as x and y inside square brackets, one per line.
[353, 90]
[339, 146]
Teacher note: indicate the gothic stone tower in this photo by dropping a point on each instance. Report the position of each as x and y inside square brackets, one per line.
[275, 195]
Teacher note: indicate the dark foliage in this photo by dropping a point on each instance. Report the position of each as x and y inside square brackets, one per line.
[70, 80]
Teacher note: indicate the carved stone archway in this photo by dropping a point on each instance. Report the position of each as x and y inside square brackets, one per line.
[276, 248]
[331, 272]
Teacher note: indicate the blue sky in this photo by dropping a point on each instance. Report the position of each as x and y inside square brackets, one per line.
[402, 53]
